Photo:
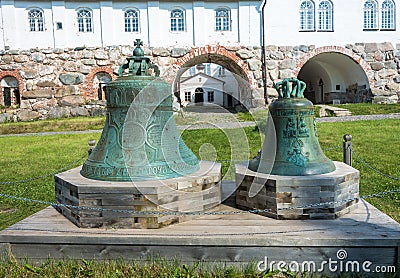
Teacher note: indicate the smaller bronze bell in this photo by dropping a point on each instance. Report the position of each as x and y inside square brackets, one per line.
[298, 152]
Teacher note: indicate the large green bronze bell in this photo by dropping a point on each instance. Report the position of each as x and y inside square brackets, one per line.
[140, 140]
[297, 151]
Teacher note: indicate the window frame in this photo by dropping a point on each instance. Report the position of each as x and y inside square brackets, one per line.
[221, 71]
[36, 23]
[388, 14]
[223, 23]
[188, 96]
[210, 97]
[130, 22]
[192, 70]
[177, 24]
[325, 16]
[370, 16]
[85, 23]
[307, 16]
[207, 69]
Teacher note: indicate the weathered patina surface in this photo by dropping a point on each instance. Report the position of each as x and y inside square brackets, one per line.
[140, 140]
[298, 151]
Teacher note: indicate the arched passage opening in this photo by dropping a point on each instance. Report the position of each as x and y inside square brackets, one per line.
[224, 80]
[10, 94]
[93, 87]
[333, 77]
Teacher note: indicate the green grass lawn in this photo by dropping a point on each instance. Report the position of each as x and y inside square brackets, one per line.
[153, 267]
[370, 108]
[34, 156]
[377, 143]
[76, 123]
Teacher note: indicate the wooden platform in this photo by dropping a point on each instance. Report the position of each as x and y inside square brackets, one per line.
[365, 234]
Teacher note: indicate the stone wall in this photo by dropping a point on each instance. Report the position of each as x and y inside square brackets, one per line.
[64, 82]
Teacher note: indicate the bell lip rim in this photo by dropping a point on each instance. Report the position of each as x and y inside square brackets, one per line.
[139, 178]
[329, 167]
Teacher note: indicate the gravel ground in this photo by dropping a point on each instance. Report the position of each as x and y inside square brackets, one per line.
[222, 121]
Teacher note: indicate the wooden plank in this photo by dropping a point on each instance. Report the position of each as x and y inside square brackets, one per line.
[4, 251]
[232, 237]
[378, 256]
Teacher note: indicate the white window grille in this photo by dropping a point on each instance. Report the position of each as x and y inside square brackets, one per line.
[307, 16]
[222, 20]
[84, 20]
[388, 15]
[131, 21]
[325, 16]
[177, 20]
[370, 15]
[36, 22]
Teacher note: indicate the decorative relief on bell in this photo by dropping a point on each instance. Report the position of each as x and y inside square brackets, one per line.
[140, 140]
[297, 147]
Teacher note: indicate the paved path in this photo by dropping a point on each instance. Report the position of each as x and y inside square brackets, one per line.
[359, 118]
[219, 122]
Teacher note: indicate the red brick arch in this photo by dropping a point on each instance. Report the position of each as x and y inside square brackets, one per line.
[88, 88]
[16, 75]
[217, 54]
[337, 49]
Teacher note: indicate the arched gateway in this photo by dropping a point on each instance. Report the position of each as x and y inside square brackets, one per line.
[248, 94]
[335, 75]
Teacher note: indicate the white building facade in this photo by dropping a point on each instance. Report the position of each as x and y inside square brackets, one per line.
[60, 24]
[209, 83]
[331, 22]
[345, 51]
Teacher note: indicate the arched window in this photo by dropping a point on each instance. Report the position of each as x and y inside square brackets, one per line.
[84, 20]
[325, 16]
[370, 15]
[35, 17]
[131, 21]
[177, 20]
[307, 16]
[388, 15]
[222, 20]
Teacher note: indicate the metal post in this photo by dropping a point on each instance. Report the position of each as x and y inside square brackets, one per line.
[92, 144]
[347, 150]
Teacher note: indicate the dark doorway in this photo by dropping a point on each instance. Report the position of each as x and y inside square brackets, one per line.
[7, 96]
[199, 95]
[101, 91]
[101, 79]
[17, 97]
[229, 100]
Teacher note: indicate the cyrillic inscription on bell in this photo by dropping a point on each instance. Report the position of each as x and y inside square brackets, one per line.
[140, 140]
[141, 169]
[298, 151]
[291, 178]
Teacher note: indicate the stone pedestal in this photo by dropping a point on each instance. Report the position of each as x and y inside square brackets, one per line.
[283, 195]
[111, 203]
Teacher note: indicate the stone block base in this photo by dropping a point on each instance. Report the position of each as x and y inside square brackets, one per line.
[110, 204]
[290, 197]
